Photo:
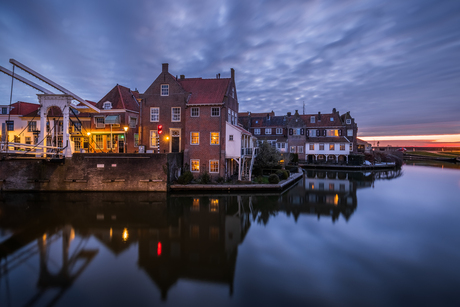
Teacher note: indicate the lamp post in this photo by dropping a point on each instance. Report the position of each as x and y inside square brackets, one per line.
[89, 141]
[125, 143]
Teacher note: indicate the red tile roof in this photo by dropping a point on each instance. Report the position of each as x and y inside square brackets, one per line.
[205, 91]
[322, 120]
[23, 108]
[121, 98]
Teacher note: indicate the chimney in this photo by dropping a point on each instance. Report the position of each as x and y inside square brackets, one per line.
[296, 112]
[289, 114]
[232, 71]
[165, 67]
[334, 110]
[182, 77]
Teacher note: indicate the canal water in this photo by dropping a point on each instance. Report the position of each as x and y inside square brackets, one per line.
[334, 239]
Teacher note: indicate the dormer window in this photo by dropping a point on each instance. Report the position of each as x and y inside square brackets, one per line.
[332, 119]
[107, 105]
[348, 121]
[312, 119]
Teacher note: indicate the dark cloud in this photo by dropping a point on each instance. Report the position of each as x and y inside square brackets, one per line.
[393, 64]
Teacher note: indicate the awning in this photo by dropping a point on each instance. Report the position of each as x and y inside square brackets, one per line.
[112, 119]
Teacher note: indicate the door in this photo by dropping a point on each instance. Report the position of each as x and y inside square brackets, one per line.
[175, 140]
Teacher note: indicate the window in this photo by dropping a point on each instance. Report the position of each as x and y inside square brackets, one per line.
[268, 130]
[351, 146]
[321, 146]
[99, 142]
[107, 105]
[195, 112]
[214, 166]
[348, 121]
[292, 149]
[214, 138]
[59, 144]
[312, 132]
[332, 132]
[194, 165]
[279, 130]
[342, 146]
[230, 137]
[215, 111]
[77, 144]
[175, 114]
[77, 127]
[272, 143]
[331, 119]
[132, 122]
[331, 146]
[28, 140]
[298, 131]
[299, 149]
[165, 90]
[31, 126]
[312, 119]
[4, 110]
[312, 146]
[195, 138]
[349, 132]
[99, 122]
[153, 139]
[257, 131]
[136, 139]
[281, 145]
[154, 114]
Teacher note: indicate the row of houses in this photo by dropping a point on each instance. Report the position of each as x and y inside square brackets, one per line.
[196, 116]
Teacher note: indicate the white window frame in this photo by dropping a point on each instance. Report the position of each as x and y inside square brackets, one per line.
[292, 149]
[299, 149]
[154, 114]
[164, 90]
[213, 109]
[311, 146]
[210, 138]
[256, 131]
[230, 137]
[321, 146]
[312, 119]
[191, 165]
[155, 143]
[349, 132]
[332, 132]
[197, 109]
[210, 168]
[173, 115]
[279, 130]
[99, 125]
[31, 126]
[342, 147]
[191, 138]
[348, 121]
[107, 105]
[331, 147]
[268, 130]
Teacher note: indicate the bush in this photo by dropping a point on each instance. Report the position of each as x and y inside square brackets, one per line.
[273, 178]
[220, 179]
[282, 174]
[204, 178]
[185, 178]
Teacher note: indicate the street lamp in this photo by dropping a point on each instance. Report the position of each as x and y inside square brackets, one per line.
[125, 143]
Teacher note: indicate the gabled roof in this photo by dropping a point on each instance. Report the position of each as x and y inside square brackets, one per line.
[322, 120]
[275, 121]
[23, 108]
[205, 91]
[242, 130]
[121, 98]
[242, 114]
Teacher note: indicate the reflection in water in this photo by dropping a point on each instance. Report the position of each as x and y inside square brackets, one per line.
[193, 237]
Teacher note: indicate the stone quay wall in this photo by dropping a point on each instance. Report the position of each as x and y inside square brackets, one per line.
[91, 172]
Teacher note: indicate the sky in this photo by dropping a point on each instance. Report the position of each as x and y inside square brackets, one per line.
[395, 65]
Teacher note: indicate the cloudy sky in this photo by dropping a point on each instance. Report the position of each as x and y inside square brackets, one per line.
[395, 65]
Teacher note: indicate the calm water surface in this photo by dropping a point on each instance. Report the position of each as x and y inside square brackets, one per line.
[334, 239]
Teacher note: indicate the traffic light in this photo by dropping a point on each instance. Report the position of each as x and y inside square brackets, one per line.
[160, 129]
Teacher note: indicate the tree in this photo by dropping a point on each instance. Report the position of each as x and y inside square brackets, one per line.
[268, 157]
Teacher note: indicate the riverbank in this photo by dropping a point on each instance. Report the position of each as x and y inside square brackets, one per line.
[376, 166]
[284, 184]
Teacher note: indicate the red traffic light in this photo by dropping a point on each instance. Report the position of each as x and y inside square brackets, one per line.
[160, 129]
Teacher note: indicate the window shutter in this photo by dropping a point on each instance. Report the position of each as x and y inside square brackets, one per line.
[290, 131]
[340, 131]
[317, 132]
[324, 132]
[308, 132]
[301, 131]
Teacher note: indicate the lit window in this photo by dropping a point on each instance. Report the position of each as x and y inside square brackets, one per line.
[194, 138]
[292, 149]
[342, 146]
[214, 166]
[321, 146]
[312, 146]
[332, 132]
[349, 132]
[195, 165]
[175, 114]
[312, 119]
[268, 131]
[331, 147]
[99, 142]
[165, 90]
[153, 138]
[351, 146]
[214, 138]
[154, 114]
[136, 139]
[257, 131]
[214, 205]
[299, 149]
[215, 111]
[279, 130]
[195, 112]
[77, 143]
[230, 137]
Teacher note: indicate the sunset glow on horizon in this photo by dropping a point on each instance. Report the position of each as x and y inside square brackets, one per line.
[433, 140]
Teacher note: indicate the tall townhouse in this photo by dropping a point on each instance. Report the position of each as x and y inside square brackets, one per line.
[14, 126]
[115, 128]
[330, 137]
[197, 117]
[296, 127]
